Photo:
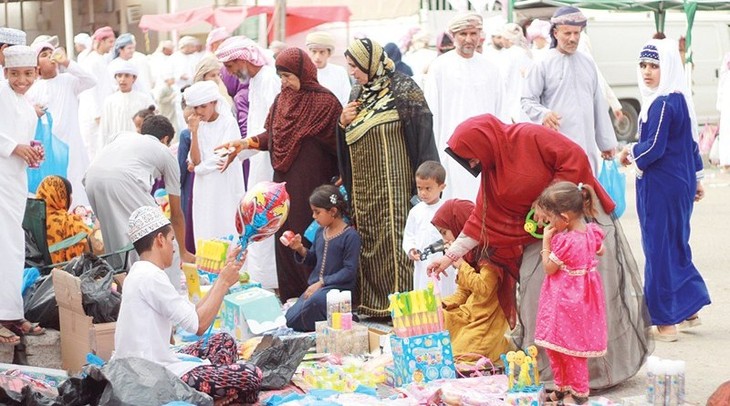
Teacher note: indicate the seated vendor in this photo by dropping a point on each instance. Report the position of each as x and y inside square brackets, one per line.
[473, 314]
[56, 191]
[335, 255]
[151, 306]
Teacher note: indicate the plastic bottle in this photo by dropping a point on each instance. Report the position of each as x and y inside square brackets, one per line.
[651, 379]
[661, 383]
[333, 304]
[670, 392]
[678, 381]
[345, 301]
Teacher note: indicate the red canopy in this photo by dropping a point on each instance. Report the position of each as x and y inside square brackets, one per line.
[298, 19]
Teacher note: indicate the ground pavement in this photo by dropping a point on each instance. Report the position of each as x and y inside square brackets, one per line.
[705, 347]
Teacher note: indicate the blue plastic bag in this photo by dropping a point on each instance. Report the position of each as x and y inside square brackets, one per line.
[615, 184]
[56, 161]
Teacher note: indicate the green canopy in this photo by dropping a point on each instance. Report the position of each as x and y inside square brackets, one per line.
[659, 7]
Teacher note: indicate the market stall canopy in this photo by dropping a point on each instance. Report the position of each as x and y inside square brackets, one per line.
[659, 7]
[298, 19]
[370, 9]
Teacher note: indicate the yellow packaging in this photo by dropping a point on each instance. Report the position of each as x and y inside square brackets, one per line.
[192, 279]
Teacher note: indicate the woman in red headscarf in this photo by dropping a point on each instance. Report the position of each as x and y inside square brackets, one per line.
[300, 136]
[517, 162]
[473, 314]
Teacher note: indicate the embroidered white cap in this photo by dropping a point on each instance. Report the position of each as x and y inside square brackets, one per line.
[144, 221]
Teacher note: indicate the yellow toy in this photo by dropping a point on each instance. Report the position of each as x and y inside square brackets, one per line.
[511, 368]
[532, 350]
[525, 371]
[520, 362]
[418, 376]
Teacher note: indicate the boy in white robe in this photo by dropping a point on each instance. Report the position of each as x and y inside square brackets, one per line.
[321, 45]
[120, 107]
[420, 233]
[59, 94]
[17, 127]
[216, 194]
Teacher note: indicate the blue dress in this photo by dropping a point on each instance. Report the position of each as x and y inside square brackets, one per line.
[669, 161]
[338, 270]
[186, 188]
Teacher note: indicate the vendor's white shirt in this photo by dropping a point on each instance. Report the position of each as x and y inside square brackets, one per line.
[150, 308]
[336, 80]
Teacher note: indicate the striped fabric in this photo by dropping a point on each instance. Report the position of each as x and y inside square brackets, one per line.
[381, 184]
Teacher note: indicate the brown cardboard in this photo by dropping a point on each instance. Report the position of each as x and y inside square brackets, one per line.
[79, 334]
[374, 339]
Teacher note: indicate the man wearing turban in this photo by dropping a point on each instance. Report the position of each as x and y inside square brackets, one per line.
[563, 91]
[321, 45]
[461, 84]
[245, 59]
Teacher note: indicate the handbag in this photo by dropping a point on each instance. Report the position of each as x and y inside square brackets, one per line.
[615, 184]
[56, 154]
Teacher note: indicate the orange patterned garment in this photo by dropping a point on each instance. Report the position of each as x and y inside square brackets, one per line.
[60, 224]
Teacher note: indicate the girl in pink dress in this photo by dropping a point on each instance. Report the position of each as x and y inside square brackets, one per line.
[571, 315]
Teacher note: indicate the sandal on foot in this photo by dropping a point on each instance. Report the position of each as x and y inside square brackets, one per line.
[555, 397]
[690, 322]
[8, 337]
[580, 400]
[34, 329]
[665, 337]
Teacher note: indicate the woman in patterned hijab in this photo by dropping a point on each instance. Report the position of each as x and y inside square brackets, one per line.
[385, 133]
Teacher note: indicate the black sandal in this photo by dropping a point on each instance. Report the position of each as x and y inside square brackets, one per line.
[556, 397]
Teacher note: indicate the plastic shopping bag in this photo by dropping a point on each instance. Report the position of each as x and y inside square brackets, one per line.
[615, 184]
[56, 151]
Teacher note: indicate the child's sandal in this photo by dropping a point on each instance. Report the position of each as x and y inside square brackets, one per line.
[580, 400]
[556, 397]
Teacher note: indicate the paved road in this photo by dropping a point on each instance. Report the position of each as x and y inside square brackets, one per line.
[705, 348]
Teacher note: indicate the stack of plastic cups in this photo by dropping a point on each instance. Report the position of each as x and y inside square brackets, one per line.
[346, 309]
[651, 379]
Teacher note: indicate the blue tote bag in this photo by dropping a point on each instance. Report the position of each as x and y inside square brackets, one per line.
[56, 160]
[615, 184]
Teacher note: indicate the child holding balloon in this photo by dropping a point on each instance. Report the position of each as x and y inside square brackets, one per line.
[334, 256]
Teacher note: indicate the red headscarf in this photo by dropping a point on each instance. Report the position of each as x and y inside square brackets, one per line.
[453, 215]
[518, 162]
[312, 111]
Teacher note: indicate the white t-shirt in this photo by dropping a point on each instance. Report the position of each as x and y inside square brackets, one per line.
[150, 307]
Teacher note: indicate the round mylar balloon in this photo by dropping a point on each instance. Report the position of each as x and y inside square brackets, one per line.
[261, 212]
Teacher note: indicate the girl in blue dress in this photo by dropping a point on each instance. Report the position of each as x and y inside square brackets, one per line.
[669, 174]
[334, 256]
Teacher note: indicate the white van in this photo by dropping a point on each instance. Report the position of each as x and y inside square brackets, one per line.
[616, 40]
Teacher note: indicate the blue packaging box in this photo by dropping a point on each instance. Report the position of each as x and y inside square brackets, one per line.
[422, 358]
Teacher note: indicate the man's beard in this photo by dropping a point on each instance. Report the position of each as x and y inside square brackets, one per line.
[242, 75]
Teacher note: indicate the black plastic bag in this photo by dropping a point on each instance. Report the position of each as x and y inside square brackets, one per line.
[71, 392]
[40, 305]
[97, 296]
[139, 382]
[278, 358]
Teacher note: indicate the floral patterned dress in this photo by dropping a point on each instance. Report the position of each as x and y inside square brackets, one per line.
[571, 317]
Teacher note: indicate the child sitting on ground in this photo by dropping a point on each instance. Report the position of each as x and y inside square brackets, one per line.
[335, 256]
[419, 232]
[571, 314]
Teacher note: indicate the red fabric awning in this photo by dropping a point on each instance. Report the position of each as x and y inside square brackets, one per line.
[298, 19]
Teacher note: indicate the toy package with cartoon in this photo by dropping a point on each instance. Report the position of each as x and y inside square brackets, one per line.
[422, 358]
[523, 375]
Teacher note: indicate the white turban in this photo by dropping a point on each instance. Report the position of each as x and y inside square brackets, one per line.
[320, 39]
[538, 28]
[187, 40]
[83, 39]
[200, 93]
[464, 22]
[120, 66]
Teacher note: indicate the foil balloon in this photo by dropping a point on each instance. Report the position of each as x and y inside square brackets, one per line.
[262, 212]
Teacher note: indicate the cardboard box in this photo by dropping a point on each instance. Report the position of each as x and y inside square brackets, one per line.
[422, 358]
[342, 342]
[535, 396]
[79, 334]
[251, 312]
[378, 341]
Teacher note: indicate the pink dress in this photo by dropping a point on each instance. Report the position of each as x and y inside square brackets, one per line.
[571, 314]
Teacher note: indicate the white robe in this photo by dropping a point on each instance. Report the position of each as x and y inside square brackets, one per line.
[184, 67]
[91, 101]
[419, 61]
[458, 88]
[262, 90]
[118, 113]
[723, 106]
[160, 68]
[216, 194]
[17, 126]
[335, 78]
[519, 66]
[569, 86]
[61, 96]
[419, 234]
